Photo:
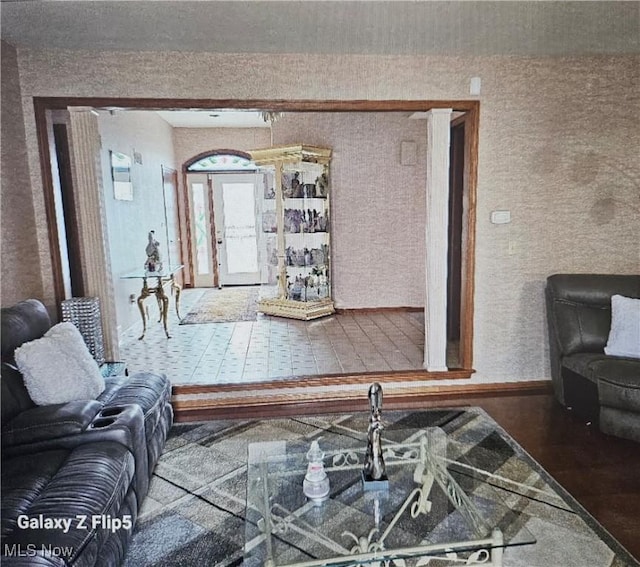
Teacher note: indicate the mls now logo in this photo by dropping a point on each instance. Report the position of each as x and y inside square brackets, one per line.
[31, 550]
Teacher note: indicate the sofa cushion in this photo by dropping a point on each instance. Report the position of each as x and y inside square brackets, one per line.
[14, 396]
[620, 371]
[582, 327]
[618, 383]
[23, 322]
[58, 367]
[624, 337]
[582, 363]
[621, 423]
[91, 480]
[580, 308]
[620, 397]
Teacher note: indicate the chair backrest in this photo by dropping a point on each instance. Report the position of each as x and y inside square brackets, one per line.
[579, 308]
[23, 322]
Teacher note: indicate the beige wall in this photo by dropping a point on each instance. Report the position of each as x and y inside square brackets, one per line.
[129, 222]
[20, 273]
[558, 147]
[369, 190]
[377, 204]
[190, 142]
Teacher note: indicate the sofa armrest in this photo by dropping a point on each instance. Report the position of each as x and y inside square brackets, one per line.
[49, 422]
[120, 424]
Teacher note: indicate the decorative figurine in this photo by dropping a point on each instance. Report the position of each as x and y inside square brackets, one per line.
[316, 481]
[374, 474]
[153, 263]
[322, 185]
[296, 186]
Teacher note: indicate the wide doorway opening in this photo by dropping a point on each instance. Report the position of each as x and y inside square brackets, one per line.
[367, 246]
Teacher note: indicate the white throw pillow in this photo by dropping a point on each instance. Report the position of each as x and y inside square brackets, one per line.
[59, 368]
[624, 337]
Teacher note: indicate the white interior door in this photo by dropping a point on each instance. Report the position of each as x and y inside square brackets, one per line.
[169, 191]
[236, 210]
[201, 234]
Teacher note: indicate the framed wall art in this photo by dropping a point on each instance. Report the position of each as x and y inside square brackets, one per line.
[121, 175]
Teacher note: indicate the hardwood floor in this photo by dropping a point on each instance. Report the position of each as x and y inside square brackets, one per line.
[601, 472]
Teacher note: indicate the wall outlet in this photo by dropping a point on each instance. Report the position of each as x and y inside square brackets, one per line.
[132, 298]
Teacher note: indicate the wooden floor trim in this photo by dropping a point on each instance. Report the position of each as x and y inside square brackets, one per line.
[311, 381]
[208, 406]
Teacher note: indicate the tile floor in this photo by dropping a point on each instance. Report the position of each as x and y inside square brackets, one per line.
[274, 348]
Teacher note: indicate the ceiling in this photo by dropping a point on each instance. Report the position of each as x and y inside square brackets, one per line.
[358, 27]
[213, 119]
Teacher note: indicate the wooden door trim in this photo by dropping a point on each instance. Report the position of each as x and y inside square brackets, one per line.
[292, 105]
[183, 203]
[471, 137]
[470, 107]
[40, 109]
[186, 197]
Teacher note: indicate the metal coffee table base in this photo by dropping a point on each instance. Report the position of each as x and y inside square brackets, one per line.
[488, 553]
[421, 462]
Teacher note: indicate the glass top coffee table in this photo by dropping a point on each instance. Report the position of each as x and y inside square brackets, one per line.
[440, 505]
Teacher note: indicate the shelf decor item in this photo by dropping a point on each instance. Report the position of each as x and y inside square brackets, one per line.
[297, 229]
[316, 482]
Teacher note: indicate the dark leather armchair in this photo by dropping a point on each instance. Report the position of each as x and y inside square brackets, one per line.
[88, 459]
[600, 388]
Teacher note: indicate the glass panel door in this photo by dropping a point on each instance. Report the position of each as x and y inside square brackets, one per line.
[236, 214]
[201, 241]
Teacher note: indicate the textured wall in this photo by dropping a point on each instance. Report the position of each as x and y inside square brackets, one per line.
[374, 264]
[370, 190]
[128, 222]
[558, 147]
[21, 276]
[189, 142]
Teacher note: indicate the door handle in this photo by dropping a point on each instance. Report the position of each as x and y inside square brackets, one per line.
[219, 240]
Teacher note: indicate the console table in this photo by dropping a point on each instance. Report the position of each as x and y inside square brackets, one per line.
[159, 279]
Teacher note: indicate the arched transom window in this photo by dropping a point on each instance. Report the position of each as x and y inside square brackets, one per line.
[222, 162]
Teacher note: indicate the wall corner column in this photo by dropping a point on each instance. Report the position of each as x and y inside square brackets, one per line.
[84, 146]
[437, 241]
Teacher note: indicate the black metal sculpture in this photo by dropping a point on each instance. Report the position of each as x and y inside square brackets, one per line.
[374, 473]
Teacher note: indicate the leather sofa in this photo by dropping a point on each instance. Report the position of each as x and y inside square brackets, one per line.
[74, 475]
[598, 387]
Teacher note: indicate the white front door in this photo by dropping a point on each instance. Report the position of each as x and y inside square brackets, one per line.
[236, 211]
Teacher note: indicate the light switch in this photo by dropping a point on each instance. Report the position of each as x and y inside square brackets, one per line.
[501, 217]
[474, 86]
